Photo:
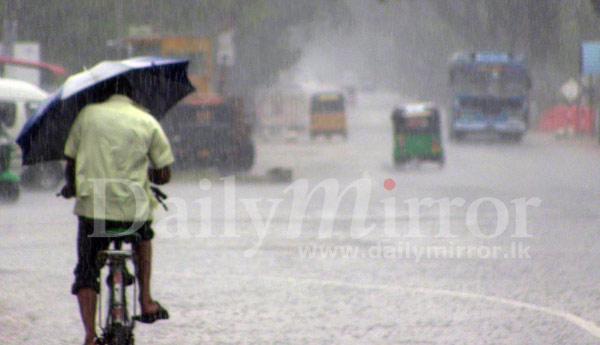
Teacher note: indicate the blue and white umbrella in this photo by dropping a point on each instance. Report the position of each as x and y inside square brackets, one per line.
[158, 84]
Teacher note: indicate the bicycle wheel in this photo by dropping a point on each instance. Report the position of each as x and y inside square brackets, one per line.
[121, 335]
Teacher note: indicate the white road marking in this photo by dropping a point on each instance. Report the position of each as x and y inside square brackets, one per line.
[586, 325]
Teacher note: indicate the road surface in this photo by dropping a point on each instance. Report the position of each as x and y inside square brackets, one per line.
[271, 278]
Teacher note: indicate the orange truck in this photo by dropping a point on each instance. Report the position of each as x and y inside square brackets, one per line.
[206, 129]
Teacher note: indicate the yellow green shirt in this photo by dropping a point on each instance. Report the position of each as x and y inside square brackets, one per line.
[113, 143]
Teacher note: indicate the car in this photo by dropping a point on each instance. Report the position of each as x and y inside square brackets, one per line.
[19, 99]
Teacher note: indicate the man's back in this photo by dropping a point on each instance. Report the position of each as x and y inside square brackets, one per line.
[113, 144]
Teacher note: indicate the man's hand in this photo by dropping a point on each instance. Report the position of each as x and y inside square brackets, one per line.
[67, 192]
[159, 176]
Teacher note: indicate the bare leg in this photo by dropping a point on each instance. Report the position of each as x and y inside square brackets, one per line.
[144, 267]
[87, 308]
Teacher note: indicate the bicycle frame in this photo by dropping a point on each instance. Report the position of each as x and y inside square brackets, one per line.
[118, 327]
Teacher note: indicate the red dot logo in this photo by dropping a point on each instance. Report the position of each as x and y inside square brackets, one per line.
[389, 184]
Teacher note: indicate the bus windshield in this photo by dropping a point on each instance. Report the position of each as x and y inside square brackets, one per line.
[491, 105]
[493, 80]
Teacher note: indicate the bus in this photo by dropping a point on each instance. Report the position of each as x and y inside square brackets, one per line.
[489, 92]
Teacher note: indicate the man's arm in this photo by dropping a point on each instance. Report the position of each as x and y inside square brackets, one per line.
[160, 155]
[160, 176]
[68, 191]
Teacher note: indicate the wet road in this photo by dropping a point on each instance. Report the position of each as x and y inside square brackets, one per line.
[252, 273]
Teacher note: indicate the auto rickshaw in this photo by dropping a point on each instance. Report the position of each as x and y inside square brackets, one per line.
[327, 115]
[9, 181]
[417, 134]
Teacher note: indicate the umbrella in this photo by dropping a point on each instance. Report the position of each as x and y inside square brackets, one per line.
[158, 84]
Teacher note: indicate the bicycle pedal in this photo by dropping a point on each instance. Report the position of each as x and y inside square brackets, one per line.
[128, 278]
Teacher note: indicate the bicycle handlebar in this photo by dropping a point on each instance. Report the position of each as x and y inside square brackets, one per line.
[158, 194]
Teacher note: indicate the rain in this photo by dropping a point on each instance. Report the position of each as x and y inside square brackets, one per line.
[345, 171]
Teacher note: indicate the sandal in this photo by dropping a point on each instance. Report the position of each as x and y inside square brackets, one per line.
[160, 314]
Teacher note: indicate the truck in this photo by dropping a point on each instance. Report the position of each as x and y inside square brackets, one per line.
[282, 112]
[206, 129]
[489, 94]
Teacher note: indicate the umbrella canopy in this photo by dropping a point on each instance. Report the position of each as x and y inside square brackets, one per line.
[157, 84]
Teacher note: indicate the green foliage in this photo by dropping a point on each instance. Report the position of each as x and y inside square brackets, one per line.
[74, 32]
[69, 31]
[548, 32]
[596, 6]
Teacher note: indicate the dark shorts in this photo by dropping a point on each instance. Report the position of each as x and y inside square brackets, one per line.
[87, 271]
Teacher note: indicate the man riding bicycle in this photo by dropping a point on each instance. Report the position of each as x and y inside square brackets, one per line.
[113, 151]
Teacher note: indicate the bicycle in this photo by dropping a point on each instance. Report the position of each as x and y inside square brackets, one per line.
[119, 324]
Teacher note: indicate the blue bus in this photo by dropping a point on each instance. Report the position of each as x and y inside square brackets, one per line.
[489, 95]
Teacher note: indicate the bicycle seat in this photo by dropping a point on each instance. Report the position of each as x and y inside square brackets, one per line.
[116, 230]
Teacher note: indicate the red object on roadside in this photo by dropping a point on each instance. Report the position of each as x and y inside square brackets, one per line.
[580, 119]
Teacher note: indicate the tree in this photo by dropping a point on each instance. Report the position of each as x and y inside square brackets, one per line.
[75, 32]
[596, 6]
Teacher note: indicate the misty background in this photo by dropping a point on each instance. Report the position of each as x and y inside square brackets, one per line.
[402, 45]
[393, 51]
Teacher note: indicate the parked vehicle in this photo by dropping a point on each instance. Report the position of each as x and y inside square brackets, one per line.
[328, 115]
[208, 132]
[18, 99]
[282, 113]
[206, 128]
[417, 134]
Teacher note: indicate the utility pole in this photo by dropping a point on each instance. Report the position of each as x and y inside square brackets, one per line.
[119, 19]
[10, 25]
[596, 8]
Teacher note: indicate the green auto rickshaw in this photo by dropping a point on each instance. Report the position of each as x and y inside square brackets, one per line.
[9, 181]
[417, 134]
